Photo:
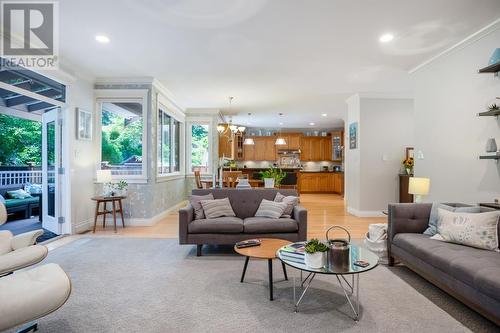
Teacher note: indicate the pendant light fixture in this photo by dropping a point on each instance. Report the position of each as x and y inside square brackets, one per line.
[280, 141]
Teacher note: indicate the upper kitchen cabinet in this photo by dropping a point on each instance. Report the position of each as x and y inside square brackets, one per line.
[226, 148]
[263, 149]
[293, 141]
[316, 148]
[338, 146]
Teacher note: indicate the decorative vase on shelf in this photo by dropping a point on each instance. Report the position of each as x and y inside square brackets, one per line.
[491, 145]
[495, 57]
[408, 171]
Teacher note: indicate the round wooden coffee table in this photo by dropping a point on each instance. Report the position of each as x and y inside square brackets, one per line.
[266, 250]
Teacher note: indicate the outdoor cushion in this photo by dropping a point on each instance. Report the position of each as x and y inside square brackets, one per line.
[2, 199]
[263, 225]
[217, 208]
[219, 225]
[18, 194]
[20, 202]
[271, 209]
[477, 268]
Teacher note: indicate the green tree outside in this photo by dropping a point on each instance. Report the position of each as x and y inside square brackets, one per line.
[20, 141]
[121, 138]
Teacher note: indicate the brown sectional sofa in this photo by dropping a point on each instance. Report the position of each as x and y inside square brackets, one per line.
[471, 275]
[229, 230]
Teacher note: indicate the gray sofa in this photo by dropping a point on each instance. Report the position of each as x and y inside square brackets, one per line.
[471, 275]
[229, 230]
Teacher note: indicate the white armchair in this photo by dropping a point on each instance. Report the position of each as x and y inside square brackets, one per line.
[20, 251]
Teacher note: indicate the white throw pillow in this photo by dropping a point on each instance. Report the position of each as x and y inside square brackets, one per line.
[471, 229]
[291, 201]
[217, 208]
[271, 209]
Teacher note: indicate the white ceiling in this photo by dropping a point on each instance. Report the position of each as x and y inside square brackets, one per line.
[302, 58]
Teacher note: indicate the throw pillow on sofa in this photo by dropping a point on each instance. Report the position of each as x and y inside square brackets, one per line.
[18, 194]
[271, 209]
[433, 218]
[217, 208]
[291, 201]
[195, 201]
[471, 229]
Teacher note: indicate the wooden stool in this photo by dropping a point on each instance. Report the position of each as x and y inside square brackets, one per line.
[113, 201]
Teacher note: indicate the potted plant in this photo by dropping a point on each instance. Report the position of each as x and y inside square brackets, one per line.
[272, 177]
[408, 164]
[121, 188]
[315, 256]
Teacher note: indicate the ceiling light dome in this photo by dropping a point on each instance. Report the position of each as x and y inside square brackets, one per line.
[103, 39]
[386, 38]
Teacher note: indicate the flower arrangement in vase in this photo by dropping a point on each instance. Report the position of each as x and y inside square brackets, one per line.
[408, 164]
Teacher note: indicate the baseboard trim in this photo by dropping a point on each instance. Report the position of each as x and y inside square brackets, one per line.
[83, 226]
[365, 213]
[146, 222]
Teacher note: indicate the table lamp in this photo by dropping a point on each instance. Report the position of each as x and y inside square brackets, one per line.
[104, 177]
[419, 187]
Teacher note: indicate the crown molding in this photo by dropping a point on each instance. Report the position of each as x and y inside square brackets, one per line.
[483, 32]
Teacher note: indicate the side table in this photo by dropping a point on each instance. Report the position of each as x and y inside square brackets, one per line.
[116, 200]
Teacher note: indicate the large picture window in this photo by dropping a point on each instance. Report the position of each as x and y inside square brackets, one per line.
[122, 137]
[200, 144]
[168, 144]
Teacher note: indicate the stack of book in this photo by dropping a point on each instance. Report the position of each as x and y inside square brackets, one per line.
[293, 252]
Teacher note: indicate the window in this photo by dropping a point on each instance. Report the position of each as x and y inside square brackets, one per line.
[122, 137]
[168, 144]
[200, 154]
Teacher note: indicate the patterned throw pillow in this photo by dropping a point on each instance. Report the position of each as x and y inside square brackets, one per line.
[195, 201]
[271, 209]
[471, 229]
[291, 201]
[433, 217]
[18, 194]
[217, 208]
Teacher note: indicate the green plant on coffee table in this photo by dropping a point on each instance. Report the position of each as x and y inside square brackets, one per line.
[277, 174]
[314, 245]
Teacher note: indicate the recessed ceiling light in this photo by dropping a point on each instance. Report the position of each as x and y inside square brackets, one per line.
[281, 124]
[103, 39]
[311, 124]
[324, 115]
[386, 38]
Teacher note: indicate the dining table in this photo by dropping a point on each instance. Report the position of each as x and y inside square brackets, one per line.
[253, 182]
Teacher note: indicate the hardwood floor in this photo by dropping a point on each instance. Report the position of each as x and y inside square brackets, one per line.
[324, 210]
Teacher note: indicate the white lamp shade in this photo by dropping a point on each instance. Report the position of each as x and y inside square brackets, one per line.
[233, 128]
[221, 128]
[241, 129]
[419, 186]
[248, 141]
[104, 176]
[280, 142]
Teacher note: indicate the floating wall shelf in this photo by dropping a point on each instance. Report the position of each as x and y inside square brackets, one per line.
[495, 68]
[492, 113]
[490, 157]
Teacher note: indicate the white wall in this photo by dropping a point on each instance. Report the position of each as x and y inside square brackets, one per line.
[81, 157]
[385, 128]
[448, 94]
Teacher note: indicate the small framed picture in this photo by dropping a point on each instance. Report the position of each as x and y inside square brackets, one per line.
[84, 124]
[409, 152]
[353, 135]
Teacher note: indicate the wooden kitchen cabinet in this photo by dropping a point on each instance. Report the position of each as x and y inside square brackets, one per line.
[294, 141]
[316, 148]
[321, 182]
[263, 149]
[226, 139]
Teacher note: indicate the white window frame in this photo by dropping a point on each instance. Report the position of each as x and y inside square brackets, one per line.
[189, 134]
[167, 107]
[124, 95]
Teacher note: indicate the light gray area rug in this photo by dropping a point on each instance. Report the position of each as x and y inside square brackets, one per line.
[153, 285]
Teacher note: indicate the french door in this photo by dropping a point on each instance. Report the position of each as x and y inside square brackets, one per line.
[51, 166]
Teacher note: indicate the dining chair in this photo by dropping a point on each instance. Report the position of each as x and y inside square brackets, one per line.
[197, 178]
